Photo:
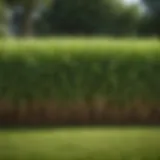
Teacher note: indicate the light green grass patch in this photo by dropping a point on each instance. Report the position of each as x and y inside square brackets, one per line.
[81, 144]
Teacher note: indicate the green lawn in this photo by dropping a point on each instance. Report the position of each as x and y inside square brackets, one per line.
[81, 144]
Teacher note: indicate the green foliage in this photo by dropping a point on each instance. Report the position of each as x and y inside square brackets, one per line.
[2, 20]
[78, 68]
[153, 22]
[26, 25]
[89, 17]
[129, 20]
[110, 17]
[152, 5]
[25, 2]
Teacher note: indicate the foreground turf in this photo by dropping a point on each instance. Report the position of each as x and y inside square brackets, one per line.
[81, 144]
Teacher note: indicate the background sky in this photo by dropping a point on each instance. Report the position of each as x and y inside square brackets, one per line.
[132, 1]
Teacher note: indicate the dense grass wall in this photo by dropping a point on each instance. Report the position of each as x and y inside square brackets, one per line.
[79, 81]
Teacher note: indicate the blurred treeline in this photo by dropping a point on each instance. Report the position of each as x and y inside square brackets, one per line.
[79, 17]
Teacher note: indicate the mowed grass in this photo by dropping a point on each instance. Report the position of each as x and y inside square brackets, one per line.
[81, 144]
[70, 45]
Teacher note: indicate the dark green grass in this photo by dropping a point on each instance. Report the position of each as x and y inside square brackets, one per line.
[81, 144]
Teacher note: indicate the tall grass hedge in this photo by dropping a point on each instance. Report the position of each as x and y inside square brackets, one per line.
[62, 69]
